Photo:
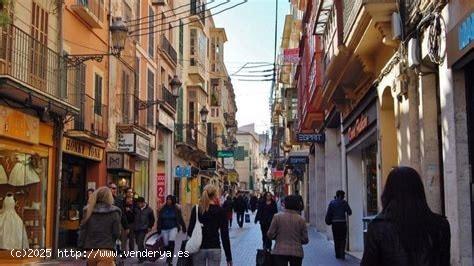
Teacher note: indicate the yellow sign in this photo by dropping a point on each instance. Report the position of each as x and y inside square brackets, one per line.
[17, 125]
[82, 149]
[233, 177]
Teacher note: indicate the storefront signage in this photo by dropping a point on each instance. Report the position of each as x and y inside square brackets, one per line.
[142, 146]
[298, 160]
[118, 161]
[233, 177]
[82, 149]
[466, 32]
[361, 123]
[182, 171]
[133, 143]
[225, 154]
[229, 163]
[160, 187]
[291, 55]
[310, 137]
[277, 174]
[17, 125]
[166, 120]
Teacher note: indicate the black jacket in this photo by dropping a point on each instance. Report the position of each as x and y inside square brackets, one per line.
[337, 210]
[120, 203]
[102, 229]
[227, 205]
[179, 219]
[213, 221]
[240, 205]
[265, 213]
[143, 219]
[384, 247]
[253, 203]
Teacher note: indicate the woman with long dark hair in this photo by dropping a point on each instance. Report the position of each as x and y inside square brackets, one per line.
[407, 232]
[266, 210]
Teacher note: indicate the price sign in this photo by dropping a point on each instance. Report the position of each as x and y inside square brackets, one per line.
[160, 187]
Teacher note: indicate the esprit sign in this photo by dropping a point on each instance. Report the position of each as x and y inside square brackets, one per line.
[310, 137]
[361, 123]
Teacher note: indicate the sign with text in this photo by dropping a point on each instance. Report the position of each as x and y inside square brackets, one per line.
[298, 160]
[133, 143]
[310, 137]
[160, 187]
[20, 126]
[229, 163]
[291, 55]
[225, 154]
[142, 146]
[118, 161]
[82, 149]
[361, 123]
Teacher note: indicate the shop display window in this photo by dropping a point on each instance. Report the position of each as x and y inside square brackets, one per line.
[369, 155]
[23, 181]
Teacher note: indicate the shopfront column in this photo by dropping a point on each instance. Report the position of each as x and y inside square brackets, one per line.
[321, 204]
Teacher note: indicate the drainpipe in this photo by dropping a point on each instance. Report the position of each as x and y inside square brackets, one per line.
[58, 136]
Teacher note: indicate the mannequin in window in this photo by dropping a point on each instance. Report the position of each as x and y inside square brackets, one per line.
[24, 173]
[12, 231]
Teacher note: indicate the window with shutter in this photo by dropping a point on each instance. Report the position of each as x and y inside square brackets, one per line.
[151, 36]
[151, 97]
[98, 95]
[39, 31]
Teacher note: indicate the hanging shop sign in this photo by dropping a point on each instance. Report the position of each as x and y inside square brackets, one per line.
[460, 39]
[225, 154]
[229, 163]
[119, 161]
[310, 137]
[166, 120]
[293, 160]
[20, 126]
[82, 149]
[183, 171]
[277, 174]
[160, 187]
[291, 55]
[133, 143]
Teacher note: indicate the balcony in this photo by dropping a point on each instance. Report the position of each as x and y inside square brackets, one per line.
[198, 9]
[31, 72]
[91, 11]
[132, 115]
[92, 120]
[168, 49]
[212, 148]
[192, 136]
[169, 99]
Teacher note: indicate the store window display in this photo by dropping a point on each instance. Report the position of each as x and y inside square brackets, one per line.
[22, 197]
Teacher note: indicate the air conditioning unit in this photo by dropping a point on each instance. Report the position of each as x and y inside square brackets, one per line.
[158, 2]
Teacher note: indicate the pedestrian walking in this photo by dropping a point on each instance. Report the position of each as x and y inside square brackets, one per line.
[289, 230]
[119, 201]
[213, 219]
[143, 222]
[130, 216]
[240, 207]
[336, 217]
[300, 202]
[228, 207]
[407, 232]
[100, 228]
[265, 214]
[169, 223]
[253, 203]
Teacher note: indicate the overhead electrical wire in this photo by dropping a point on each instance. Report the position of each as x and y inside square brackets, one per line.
[174, 15]
[192, 21]
[154, 15]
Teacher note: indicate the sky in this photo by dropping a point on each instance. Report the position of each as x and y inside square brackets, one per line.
[250, 33]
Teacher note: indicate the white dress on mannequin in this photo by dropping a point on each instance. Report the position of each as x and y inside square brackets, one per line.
[23, 172]
[12, 231]
[3, 175]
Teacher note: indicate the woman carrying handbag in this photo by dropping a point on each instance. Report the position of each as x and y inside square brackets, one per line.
[213, 219]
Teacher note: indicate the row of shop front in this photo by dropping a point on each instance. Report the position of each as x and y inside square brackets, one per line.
[423, 121]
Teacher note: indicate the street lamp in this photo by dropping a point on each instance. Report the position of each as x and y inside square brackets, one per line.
[175, 84]
[119, 32]
[204, 112]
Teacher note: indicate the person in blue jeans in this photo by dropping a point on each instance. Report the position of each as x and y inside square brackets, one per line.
[336, 217]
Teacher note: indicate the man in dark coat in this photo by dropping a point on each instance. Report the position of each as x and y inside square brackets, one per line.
[143, 222]
[336, 216]
[253, 203]
[240, 207]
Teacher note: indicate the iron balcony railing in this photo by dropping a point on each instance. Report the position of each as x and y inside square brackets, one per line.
[93, 117]
[198, 8]
[168, 49]
[96, 7]
[28, 61]
[132, 114]
[168, 97]
[192, 135]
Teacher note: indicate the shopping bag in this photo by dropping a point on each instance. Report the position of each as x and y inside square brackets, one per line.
[194, 243]
[185, 259]
[264, 257]
[155, 242]
[247, 218]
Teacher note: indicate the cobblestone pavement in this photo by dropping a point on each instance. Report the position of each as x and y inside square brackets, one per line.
[245, 242]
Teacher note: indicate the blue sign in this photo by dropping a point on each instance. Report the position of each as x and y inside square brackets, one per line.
[178, 172]
[466, 32]
[187, 171]
[298, 160]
